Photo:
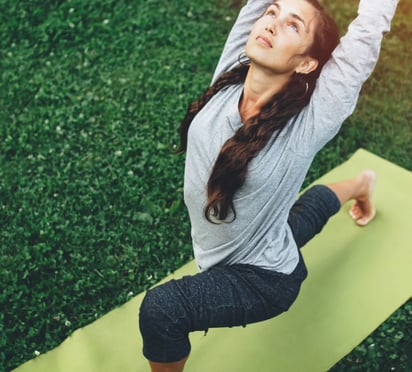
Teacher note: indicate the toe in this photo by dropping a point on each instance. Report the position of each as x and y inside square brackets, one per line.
[355, 212]
[363, 221]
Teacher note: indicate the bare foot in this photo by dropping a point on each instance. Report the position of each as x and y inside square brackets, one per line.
[363, 211]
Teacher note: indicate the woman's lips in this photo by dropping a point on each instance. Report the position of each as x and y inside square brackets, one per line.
[265, 41]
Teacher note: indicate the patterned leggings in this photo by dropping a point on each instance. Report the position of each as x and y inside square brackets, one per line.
[226, 296]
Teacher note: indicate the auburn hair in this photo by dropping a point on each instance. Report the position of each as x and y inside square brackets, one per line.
[229, 171]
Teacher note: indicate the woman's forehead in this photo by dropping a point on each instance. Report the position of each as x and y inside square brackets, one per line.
[299, 9]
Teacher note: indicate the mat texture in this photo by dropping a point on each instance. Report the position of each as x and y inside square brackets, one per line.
[357, 278]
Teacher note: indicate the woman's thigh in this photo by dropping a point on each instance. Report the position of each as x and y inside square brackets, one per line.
[224, 296]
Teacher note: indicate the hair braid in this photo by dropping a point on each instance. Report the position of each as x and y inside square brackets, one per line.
[230, 169]
[234, 76]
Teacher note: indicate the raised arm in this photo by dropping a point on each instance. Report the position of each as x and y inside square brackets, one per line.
[352, 62]
[236, 41]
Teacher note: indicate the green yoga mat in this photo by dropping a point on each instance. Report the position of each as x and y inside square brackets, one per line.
[357, 278]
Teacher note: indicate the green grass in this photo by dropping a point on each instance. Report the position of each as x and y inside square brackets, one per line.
[91, 208]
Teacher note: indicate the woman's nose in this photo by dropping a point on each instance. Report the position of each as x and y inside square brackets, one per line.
[271, 27]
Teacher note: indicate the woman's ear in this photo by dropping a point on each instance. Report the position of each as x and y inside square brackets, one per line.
[308, 65]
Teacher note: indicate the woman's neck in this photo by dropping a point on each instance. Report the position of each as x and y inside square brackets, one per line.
[258, 89]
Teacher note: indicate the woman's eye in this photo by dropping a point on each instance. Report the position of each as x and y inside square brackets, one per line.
[271, 13]
[294, 27]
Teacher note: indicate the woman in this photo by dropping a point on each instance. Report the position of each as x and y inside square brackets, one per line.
[250, 140]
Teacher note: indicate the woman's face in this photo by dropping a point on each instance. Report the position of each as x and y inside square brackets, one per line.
[279, 39]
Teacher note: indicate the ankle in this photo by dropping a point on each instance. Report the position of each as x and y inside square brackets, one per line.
[364, 182]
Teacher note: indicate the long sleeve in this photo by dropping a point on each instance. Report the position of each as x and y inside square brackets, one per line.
[341, 79]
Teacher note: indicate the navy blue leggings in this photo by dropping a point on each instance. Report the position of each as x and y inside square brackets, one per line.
[227, 296]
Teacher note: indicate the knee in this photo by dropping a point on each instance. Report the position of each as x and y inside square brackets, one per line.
[165, 338]
[150, 313]
[160, 310]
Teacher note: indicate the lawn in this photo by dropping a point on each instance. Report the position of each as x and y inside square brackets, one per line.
[91, 209]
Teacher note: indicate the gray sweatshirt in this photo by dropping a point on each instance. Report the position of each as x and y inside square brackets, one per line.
[260, 234]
